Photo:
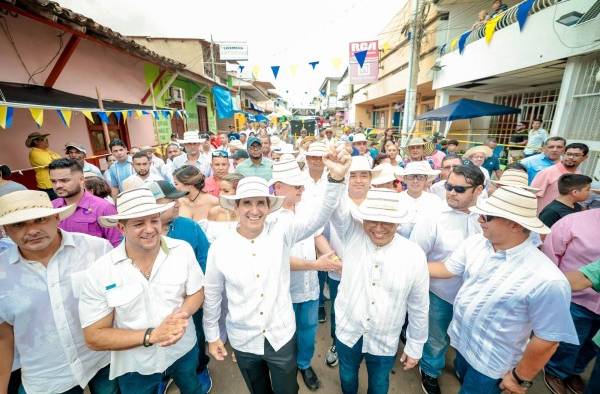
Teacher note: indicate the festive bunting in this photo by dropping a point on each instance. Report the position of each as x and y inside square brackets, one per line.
[166, 113]
[125, 114]
[386, 47]
[6, 117]
[64, 116]
[156, 115]
[293, 69]
[336, 62]
[138, 113]
[360, 57]
[523, 12]
[241, 68]
[453, 44]
[88, 115]
[117, 115]
[275, 70]
[314, 64]
[103, 117]
[38, 116]
[462, 40]
[490, 27]
[255, 71]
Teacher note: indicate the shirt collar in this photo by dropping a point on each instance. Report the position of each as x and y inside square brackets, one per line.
[515, 251]
[120, 254]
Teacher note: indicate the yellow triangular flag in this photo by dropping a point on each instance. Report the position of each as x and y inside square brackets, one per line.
[386, 47]
[88, 115]
[38, 115]
[3, 112]
[490, 27]
[337, 63]
[255, 71]
[124, 113]
[293, 69]
[138, 113]
[66, 114]
[453, 43]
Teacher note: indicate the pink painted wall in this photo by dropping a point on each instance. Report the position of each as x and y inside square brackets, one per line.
[118, 75]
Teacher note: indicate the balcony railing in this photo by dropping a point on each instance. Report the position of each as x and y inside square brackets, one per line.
[508, 18]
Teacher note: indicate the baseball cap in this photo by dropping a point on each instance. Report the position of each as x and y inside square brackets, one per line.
[165, 189]
[79, 147]
[253, 140]
[240, 154]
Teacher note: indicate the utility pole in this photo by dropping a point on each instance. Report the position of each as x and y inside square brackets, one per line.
[410, 100]
[212, 58]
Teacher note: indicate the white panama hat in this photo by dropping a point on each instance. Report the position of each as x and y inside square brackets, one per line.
[360, 163]
[192, 137]
[287, 171]
[236, 144]
[24, 205]
[316, 149]
[284, 148]
[384, 173]
[248, 187]
[515, 204]
[516, 178]
[419, 168]
[359, 137]
[382, 205]
[133, 204]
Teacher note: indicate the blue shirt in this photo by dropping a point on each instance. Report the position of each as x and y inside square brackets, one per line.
[119, 172]
[535, 164]
[187, 230]
[491, 164]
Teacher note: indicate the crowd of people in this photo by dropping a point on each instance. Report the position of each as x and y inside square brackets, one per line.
[127, 280]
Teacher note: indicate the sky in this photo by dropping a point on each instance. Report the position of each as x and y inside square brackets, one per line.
[278, 33]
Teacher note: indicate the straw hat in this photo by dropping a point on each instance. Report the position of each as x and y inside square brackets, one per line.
[237, 144]
[317, 149]
[515, 178]
[359, 137]
[248, 187]
[134, 203]
[287, 171]
[284, 148]
[275, 141]
[515, 204]
[486, 150]
[419, 168]
[34, 136]
[24, 205]
[382, 205]
[360, 163]
[384, 173]
[428, 146]
[192, 137]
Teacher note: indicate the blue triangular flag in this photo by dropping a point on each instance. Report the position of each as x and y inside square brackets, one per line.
[462, 40]
[156, 115]
[61, 117]
[241, 68]
[360, 57]
[130, 113]
[314, 64]
[275, 70]
[443, 49]
[178, 113]
[103, 116]
[118, 115]
[9, 116]
[523, 12]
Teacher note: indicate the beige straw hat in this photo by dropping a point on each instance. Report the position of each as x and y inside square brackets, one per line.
[24, 205]
[287, 171]
[384, 173]
[359, 137]
[317, 149]
[248, 187]
[486, 150]
[428, 146]
[132, 204]
[515, 204]
[516, 178]
[382, 205]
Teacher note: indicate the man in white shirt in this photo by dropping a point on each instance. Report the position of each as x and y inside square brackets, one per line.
[384, 278]
[260, 318]
[137, 300]
[40, 280]
[438, 236]
[143, 174]
[512, 309]
[329, 139]
[288, 182]
[536, 138]
[359, 142]
[193, 143]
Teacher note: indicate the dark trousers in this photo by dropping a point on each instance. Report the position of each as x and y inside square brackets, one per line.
[50, 193]
[281, 365]
[322, 278]
[203, 358]
[100, 384]
[14, 382]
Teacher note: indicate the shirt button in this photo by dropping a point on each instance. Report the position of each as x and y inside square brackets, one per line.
[372, 302]
[376, 266]
[254, 254]
[373, 283]
[258, 275]
[262, 295]
[264, 331]
[252, 241]
[368, 319]
[261, 313]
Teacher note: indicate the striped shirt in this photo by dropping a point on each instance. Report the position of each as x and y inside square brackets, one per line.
[256, 276]
[379, 286]
[506, 295]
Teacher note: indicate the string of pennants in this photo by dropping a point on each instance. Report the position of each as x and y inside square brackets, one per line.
[37, 113]
[336, 62]
[523, 11]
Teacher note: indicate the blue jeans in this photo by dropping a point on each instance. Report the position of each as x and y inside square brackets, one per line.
[203, 359]
[472, 381]
[307, 316]
[434, 351]
[333, 289]
[322, 277]
[378, 368]
[183, 372]
[99, 384]
[572, 359]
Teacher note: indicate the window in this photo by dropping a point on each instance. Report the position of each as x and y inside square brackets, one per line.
[116, 129]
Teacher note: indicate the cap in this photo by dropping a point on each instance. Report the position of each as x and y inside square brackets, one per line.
[79, 147]
[253, 140]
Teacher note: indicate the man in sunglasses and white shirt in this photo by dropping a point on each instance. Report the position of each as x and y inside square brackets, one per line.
[438, 236]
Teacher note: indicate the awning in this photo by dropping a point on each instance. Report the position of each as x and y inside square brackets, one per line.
[467, 109]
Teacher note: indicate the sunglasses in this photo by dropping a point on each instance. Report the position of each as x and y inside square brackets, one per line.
[457, 188]
[487, 218]
[220, 153]
[416, 177]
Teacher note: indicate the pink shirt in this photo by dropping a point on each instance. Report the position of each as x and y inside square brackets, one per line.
[85, 218]
[572, 244]
[437, 158]
[547, 181]
[211, 186]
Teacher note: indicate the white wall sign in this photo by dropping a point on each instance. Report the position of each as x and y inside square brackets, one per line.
[233, 50]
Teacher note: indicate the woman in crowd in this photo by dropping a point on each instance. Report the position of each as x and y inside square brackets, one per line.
[391, 149]
[197, 203]
[218, 214]
[477, 156]
[97, 186]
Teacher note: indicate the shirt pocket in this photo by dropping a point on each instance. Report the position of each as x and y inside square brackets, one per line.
[86, 222]
[124, 298]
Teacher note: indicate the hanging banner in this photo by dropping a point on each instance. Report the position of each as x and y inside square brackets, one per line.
[6, 116]
[462, 41]
[370, 68]
[233, 51]
[523, 12]
[275, 70]
[65, 116]
[490, 28]
[38, 115]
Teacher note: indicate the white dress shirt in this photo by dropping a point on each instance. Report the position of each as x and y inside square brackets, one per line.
[506, 295]
[427, 204]
[203, 163]
[379, 286]
[114, 284]
[40, 303]
[256, 276]
[336, 243]
[439, 236]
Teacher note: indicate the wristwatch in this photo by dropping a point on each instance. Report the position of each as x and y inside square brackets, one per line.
[522, 382]
[333, 180]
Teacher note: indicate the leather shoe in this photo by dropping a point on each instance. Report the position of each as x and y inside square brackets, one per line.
[554, 384]
[575, 384]
[310, 378]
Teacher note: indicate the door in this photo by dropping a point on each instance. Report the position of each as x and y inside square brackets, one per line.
[177, 125]
[117, 128]
[202, 118]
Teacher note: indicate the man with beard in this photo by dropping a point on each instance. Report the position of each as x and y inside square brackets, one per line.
[256, 164]
[67, 180]
[547, 180]
[142, 167]
[552, 149]
[438, 236]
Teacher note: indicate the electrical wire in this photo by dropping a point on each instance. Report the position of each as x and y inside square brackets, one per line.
[10, 38]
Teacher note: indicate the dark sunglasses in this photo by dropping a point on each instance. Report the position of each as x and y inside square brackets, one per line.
[487, 218]
[457, 188]
[219, 153]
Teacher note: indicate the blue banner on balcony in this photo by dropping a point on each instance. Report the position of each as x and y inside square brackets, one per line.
[223, 101]
[462, 40]
[523, 12]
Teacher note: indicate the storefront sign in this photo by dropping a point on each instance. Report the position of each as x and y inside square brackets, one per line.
[370, 68]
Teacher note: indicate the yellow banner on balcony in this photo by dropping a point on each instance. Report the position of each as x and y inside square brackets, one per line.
[490, 27]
